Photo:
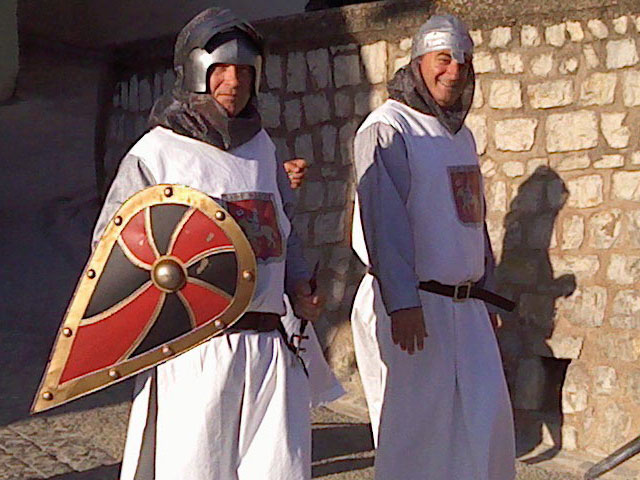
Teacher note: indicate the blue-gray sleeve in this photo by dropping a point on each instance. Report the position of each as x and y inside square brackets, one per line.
[132, 177]
[296, 265]
[384, 181]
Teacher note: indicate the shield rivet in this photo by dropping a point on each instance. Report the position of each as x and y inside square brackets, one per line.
[91, 273]
[114, 374]
[247, 275]
[67, 332]
[220, 215]
[166, 351]
[220, 324]
[168, 275]
[168, 192]
[47, 396]
[118, 220]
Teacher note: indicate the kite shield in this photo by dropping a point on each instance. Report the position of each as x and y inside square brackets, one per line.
[172, 270]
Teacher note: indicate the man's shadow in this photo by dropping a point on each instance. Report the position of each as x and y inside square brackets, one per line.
[525, 273]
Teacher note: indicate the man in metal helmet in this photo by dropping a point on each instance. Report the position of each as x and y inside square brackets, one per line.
[425, 345]
[237, 406]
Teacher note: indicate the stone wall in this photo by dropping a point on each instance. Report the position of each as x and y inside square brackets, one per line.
[556, 102]
[8, 48]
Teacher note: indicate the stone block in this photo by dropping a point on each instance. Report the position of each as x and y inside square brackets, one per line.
[529, 36]
[584, 268]
[624, 269]
[555, 34]
[400, 62]
[563, 347]
[605, 380]
[569, 438]
[604, 228]
[575, 161]
[575, 391]
[273, 71]
[511, 62]
[598, 89]
[329, 135]
[513, 169]
[349, 48]
[625, 322]
[500, 37]
[598, 29]
[316, 108]
[157, 86]
[292, 114]
[488, 167]
[633, 382]
[313, 196]
[621, 53]
[620, 346]
[478, 97]
[572, 131]
[535, 163]
[505, 94]
[304, 148]
[530, 384]
[570, 65]
[269, 110]
[134, 100]
[406, 43]
[168, 80]
[476, 37]
[343, 103]
[541, 65]
[557, 93]
[318, 62]
[632, 222]
[478, 126]
[296, 72]
[585, 191]
[346, 136]
[483, 62]
[576, 34]
[621, 24]
[516, 134]
[374, 60]
[346, 70]
[635, 158]
[585, 307]
[572, 232]
[591, 56]
[282, 149]
[538, 230]
[631, 88]
[609, 161]
[627, 302]
[497, 197]
[367, 101]
[329, 228]
[337, 193]
[626, 185]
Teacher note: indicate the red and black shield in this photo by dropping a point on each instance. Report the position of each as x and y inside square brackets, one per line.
[172, 270]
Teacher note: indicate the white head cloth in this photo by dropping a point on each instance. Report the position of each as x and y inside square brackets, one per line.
[443, 32]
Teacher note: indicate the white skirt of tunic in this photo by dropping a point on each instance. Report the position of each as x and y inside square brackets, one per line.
[234, 408]
[442, 413]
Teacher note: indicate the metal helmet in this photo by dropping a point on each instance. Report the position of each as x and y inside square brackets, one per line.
[443, 32]
[215, 36]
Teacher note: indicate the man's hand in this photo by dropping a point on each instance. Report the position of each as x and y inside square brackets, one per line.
[408, 330]
[306, 304]
[296, 170]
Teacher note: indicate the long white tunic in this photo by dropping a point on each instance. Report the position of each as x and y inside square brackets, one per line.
[237, 406]
[443, 413]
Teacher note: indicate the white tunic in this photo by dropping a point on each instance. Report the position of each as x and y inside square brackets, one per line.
[443, 413]
[236, 407]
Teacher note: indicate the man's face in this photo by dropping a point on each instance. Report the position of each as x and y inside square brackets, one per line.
[443, 76]
[230, 86]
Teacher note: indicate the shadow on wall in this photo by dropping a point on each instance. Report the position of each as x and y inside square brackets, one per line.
[525, 273]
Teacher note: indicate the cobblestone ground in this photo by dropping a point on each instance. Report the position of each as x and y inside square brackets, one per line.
[87, 445]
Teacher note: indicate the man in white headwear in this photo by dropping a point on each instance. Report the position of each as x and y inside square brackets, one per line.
[237, 406]
[425, 346]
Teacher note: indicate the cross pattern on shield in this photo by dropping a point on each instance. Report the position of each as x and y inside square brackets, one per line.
[256, 214]
[466, 186]
[171, 270]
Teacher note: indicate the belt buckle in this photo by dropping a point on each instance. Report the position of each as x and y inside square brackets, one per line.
[458, 289]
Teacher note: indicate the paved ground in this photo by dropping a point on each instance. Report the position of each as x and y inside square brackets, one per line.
[87, 445]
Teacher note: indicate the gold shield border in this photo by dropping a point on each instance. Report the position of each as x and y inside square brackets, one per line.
[50, 393]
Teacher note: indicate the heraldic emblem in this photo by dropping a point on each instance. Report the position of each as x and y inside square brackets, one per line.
[172, 270]
[466, 184]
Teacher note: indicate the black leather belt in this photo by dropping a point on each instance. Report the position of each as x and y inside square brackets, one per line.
[262, 322]
[467, 290]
